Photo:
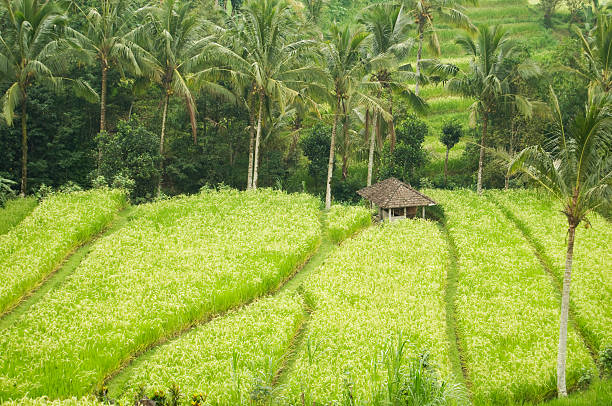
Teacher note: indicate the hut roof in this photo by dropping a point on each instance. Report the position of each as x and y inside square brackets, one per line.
[393, 193]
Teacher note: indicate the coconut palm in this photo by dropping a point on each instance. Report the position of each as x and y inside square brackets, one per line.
[346, 67]
[314, 9]
[178, 43]
[268, 59]
[489, 82]
[575, 166]
[105, 40]
[32, 51]
[424, 13]
[390, 44]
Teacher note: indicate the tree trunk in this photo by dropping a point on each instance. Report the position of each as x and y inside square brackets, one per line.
[565, 301]
[24, 147]
[446, 167]
[251, 145]
[370, 133]
[485, 122]
[418, 61]
[161, 142]
[257, 141]
[391, 124]
[330, 165]
[345, 156]
[103, 97]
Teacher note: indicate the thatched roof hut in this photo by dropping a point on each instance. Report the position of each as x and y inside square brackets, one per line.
[395, 199]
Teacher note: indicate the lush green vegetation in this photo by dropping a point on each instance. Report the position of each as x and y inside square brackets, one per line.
[361, 302]
[37, 245]
[542, 220]
[175, 263]
[14, 211]
[342, 221]
[507, 307]
[232, 359]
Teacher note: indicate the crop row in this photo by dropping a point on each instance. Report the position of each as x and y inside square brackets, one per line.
[14, 211]
[591, 291]
[387, 281]
[231, 359]
[507, 309]
[342, 221]
[176, 262]
[38, 244]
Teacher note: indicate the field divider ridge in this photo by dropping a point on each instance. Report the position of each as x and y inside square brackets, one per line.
[458, 362]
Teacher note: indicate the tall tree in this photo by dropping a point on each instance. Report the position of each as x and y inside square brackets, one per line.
[346, 65]
[452, 131]
[424, 13]
[488, 82]
[32, 50]
[268, 58]
[105, 39]
[575, 166]
[178, 43]
[390, 44]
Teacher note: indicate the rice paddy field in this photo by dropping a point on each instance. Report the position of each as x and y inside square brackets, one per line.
[522, 19]
[188, 294]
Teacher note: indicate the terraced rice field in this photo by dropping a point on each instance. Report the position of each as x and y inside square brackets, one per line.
[14, 211]
[38, 244]
[387, 281]
[507, 306]
[521, 18]
[591, 293]
[177, 262]
[186, 293]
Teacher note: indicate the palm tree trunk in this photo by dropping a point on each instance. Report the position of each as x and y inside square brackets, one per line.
[391, 124]
[565, 298]
[485, 122]
[418, 61]
[446, 167]
[330, 165]
[24, 147]
[345, 156]
[370, 134]
[257, 141]
[103, 97]
[161, 142]
[251, 146]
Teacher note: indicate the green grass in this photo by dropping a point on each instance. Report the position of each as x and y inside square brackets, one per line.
[387, 280]
[598, 394]
[591, 278]
[176, 263]
[228, 359]
[342, 221]
[14, 211]
[507, 307]
[38, 245]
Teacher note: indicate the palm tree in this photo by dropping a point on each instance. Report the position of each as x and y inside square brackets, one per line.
[390, 28]
[267, 59]
[105, 40]
[178, 44]
[346, 65]
[314, 9]
[488, 82]
[424, 12]
[597, 51]
[575, 166]
[32, 51]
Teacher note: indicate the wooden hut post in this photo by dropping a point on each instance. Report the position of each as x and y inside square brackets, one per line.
[423, 212]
